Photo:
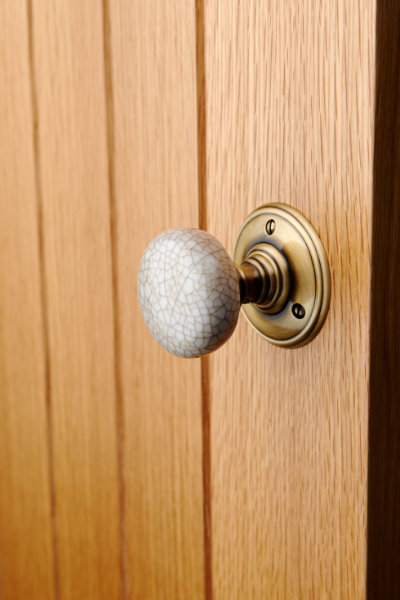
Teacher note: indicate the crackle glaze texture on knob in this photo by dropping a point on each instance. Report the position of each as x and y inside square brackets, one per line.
[188, 292]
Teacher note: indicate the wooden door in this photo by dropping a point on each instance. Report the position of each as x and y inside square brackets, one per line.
[256, 472]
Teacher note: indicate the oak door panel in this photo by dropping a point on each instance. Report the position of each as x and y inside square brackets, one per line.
[26, 530]
[153, 141]
[110, 429]
[69, 87]
[289, 114]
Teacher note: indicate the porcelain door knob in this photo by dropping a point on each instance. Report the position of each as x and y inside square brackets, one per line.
[190, 290]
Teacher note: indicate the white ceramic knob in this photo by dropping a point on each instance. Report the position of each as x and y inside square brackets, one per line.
[188, 292]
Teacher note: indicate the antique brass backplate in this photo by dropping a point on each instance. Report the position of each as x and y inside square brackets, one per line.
[277, 240]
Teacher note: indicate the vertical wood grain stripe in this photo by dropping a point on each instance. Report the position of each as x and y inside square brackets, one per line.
[72, 142]
[120, 431]
[153, 66]
[26, 550]
[43, 294]
[202, 203]
[201, 114]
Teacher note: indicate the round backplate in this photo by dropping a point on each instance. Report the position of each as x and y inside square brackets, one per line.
[290, 232]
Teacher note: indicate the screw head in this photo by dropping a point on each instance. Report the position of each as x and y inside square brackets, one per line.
[270, 227]
[298, 310]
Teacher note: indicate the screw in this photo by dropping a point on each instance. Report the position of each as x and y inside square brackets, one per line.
[298, 311]
[270, 227]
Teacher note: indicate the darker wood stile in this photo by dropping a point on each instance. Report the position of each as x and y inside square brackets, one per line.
[383, 522]
[120, 421]
[43, 294]
[202, 218]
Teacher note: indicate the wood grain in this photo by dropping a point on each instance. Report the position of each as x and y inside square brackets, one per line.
[111, 133]
[153, 124]
[289, 90]
[72, 145]
[26, 551]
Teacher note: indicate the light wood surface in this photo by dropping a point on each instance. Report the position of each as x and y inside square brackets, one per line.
[289, 89]
[153, 135]
[26, 552]
[69, 85]
[126, 472]
[117, 456]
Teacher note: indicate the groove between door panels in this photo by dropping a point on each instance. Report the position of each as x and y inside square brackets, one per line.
[202, 202]
[201, 114]
[120, 425]
[43, 293]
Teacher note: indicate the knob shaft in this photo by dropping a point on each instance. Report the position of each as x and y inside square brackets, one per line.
[189, 292]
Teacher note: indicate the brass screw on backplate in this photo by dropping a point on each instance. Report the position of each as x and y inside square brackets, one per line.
[298, 311]
[270, 227]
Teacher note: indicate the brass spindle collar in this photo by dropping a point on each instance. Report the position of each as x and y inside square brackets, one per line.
[264, 278]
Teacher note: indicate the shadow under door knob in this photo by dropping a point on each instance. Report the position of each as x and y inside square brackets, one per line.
[190, 291]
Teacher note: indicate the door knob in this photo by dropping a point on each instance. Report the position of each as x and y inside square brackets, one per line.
[190, 291]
